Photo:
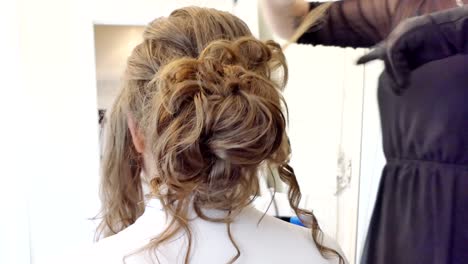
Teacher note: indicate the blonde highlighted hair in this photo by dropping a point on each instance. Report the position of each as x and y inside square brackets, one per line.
[204, 93]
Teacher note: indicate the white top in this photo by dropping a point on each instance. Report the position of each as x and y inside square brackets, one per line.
[272, 241]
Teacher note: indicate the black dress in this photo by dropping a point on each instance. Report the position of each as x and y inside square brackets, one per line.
[421, 212]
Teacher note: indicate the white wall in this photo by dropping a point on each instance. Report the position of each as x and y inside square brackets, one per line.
[373, 160]
[61, 161]
[14, 138]
[347, 222]
[313, 95]
[324, 97]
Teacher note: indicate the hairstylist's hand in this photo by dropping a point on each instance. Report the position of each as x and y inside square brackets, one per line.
[284, 15]
[422, 39]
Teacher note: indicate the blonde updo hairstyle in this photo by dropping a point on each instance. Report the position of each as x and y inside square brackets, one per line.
[202, 90]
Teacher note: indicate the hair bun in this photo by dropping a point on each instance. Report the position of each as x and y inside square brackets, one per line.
[220, 111]
[223, 68]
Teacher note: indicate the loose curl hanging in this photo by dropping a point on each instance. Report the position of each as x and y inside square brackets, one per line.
[203, 92]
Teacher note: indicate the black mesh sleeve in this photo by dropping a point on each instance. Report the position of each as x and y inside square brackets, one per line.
[364, 23]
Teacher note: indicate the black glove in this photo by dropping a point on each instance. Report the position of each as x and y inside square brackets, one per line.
[420, 40]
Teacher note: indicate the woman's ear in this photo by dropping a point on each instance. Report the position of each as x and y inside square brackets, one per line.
[137, 136]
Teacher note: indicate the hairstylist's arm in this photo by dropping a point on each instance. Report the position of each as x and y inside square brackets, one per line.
[284, 16]
[345, 23]
[420, 40]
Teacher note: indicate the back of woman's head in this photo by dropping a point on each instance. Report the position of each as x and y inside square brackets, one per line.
[213, 121]
[203, 93]
[185, 33]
